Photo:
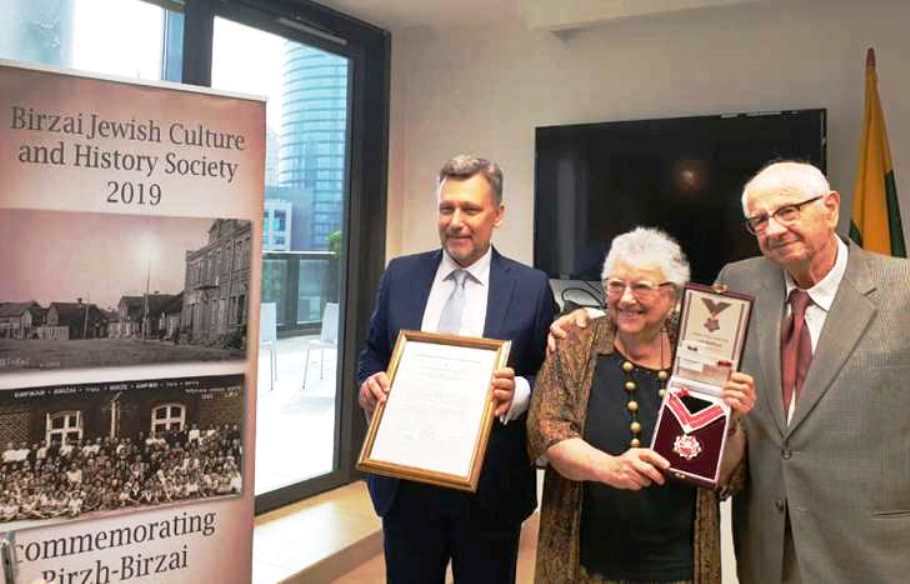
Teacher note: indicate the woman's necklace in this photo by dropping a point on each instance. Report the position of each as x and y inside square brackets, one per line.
[631, 387]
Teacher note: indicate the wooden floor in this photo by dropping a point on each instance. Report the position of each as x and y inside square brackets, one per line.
[336, 537]
[317, 539]
[373, 571]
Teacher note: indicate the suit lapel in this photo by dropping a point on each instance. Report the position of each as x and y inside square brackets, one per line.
[502, 285]
[771, 303]
[845, 325]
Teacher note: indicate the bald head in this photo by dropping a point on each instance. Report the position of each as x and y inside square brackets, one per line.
[795, 177]
[793, 213]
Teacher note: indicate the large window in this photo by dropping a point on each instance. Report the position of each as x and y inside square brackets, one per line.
[307, 132]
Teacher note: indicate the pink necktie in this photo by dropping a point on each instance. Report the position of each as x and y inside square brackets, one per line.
[795, 348]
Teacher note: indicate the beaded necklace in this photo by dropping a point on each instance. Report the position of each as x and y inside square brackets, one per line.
[631, 388]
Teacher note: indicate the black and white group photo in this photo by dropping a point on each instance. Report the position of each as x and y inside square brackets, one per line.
[96, 449]
[99, 290]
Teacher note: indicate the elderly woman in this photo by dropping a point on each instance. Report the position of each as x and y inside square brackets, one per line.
[608, 514]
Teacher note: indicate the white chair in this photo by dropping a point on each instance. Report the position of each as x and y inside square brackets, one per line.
[328, 339]
[268, 337]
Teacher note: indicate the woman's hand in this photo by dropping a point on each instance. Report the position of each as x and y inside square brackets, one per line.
[635, 469]
[578, 317]
[739, 393]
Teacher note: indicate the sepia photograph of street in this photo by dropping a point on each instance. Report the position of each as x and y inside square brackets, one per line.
[99, 290]
[99, 449]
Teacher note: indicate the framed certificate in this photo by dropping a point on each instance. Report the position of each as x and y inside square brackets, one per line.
[435, 424]
[692, 424]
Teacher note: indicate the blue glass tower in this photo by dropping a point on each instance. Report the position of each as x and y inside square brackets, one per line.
[313, 152]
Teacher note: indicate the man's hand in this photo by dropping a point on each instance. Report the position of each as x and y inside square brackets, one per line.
[739, 393]
[635, 469]
[578, 317]
[503, 390]
[374, 390]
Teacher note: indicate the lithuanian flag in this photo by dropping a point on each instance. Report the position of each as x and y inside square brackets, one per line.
[876, 223]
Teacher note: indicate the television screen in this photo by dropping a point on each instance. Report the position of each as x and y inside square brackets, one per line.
[683, 175]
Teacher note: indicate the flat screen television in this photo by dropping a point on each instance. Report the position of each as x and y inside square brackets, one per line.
[683, 175]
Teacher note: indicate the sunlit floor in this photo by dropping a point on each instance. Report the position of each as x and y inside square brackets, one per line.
[295, 425]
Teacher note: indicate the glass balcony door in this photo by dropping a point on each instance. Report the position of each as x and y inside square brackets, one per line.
[304, 226]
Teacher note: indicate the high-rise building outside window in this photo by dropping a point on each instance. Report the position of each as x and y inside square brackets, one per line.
[312, 156]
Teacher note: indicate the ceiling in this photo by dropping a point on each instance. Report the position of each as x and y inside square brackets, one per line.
[552, 15]
[398, 14]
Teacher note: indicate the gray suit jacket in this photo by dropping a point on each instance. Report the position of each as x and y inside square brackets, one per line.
[842, 465]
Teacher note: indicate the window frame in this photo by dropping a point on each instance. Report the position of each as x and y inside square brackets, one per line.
[49, 429]
[168, 419]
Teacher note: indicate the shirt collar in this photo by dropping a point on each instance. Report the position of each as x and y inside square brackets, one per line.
[479, 270]
[822, 294]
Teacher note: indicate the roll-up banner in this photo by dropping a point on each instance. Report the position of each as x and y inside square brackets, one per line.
[130, 246]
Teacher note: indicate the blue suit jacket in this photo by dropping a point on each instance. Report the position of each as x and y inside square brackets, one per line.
[520, 308]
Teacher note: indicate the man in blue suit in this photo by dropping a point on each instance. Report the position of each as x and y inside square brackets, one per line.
[425, 526]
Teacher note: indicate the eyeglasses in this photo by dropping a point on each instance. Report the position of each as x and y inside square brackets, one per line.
[642, 290]
[786, 215]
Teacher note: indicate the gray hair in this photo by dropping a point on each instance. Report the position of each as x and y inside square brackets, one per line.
[646, 247]
[465, 166]
[787, 175]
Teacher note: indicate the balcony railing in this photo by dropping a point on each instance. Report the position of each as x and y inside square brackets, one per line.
[299, 283]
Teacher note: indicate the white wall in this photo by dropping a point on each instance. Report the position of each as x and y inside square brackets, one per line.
[485, 89]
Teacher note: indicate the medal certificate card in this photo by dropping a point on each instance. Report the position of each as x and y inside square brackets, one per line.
[436, 422]
[691, 427]
[712, 333]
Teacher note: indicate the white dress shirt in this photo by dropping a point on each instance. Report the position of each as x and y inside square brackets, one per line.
[822, 295]
[477, 290]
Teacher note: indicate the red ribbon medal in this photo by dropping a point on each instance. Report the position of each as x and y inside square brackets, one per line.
[685, 445]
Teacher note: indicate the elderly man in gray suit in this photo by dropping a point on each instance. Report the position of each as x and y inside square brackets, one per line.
[828, 492]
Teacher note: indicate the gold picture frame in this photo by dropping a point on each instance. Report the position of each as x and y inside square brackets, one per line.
[435, 425]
